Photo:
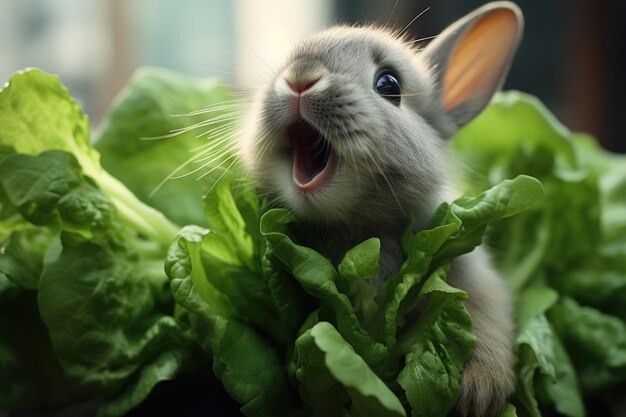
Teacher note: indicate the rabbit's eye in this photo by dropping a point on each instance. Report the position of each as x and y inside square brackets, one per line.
[388, 87]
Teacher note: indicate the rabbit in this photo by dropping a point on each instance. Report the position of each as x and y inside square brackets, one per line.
[350, 134]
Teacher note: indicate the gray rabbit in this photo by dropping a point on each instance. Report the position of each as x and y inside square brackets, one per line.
[351, 135]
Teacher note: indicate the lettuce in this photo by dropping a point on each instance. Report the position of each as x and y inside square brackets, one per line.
[81, 265]
[135, 147]
[323, 355]
[353, 347]
[564, 256]
[121, 288]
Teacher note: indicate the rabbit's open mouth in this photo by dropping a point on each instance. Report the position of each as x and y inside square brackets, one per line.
[314, 159]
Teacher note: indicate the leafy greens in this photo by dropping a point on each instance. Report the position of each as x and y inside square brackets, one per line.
[117, 297]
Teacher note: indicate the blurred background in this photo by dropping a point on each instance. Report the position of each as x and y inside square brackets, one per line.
[571, 56]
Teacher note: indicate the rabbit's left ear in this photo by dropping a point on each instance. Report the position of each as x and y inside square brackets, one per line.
[471, 58]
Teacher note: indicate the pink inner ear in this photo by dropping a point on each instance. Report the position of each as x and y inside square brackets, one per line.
[480, 58]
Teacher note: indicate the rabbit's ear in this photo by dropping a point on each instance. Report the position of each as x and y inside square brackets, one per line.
[470, 59]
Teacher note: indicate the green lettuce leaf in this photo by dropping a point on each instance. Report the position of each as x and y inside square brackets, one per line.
[573, 241]
[317, 276]
[596, 341]
[492, 141]
[38, 114]
[423, 246]
[355, 269]
[245, 282]
[100, 291]
[503, 200]
[50, 190]
[245, 363]
[136, 147]
[457, 228]
[101, 314]
[541, 352]
[22, 257]
[439, 344]
[328, 365]
[87, 253]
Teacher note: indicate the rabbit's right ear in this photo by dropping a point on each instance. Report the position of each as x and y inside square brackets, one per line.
[470, 59]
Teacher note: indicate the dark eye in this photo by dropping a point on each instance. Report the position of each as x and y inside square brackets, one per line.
[387, 86]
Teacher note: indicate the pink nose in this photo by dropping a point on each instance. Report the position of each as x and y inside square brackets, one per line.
[301, 86]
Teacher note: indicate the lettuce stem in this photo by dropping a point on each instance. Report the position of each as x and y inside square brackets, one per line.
[147, 220]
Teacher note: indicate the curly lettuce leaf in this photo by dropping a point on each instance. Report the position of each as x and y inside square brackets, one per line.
[544, 366]
[318, 278]
[38, 114]
[438, 343]
[100, 290]
[327, 365]
[102, 314]
[245, 283]
[88, 253]
[456, 229]
[355, 271]
[403, 289]
[235, 223]
[50, 190]
[21, 258]
[503, 200]
[597, 342]
[288, 299]
[454, 235]
[245, 363]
